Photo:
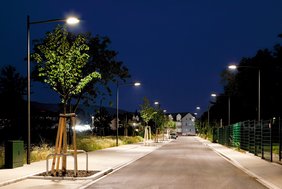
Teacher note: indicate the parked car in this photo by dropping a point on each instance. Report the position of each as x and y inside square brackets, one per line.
[173, 136]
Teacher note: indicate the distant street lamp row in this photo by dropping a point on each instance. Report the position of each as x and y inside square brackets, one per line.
[235, 67]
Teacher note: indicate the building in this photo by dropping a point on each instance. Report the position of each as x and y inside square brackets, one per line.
[185, 123]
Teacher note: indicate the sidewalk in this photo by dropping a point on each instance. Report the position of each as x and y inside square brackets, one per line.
[104, 161]
[267, 173]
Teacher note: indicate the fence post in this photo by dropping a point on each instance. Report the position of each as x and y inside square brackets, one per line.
[279, 140]
[271, 145]
[262, 148]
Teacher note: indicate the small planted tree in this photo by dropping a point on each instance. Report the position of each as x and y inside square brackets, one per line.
[159, 119]
[147, 113]
[61, 58]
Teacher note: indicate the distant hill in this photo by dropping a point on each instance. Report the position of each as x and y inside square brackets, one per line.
[86, 110]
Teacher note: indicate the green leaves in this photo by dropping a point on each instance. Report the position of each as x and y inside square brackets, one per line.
[61, 58]
[147, 112]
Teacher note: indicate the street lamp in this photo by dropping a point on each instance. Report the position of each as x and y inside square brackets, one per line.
[136, 84]
[93, 123]
[235, 67]
[229, 105]
[70, 20]
[212, 95]
[197, 111]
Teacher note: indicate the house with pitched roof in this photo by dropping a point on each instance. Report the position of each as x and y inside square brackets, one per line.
[185, 123]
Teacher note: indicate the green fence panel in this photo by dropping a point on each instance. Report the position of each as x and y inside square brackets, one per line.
[262, 138]
[252, 144]
[266, 140]
[244, 143]
[220, 136]
[236, 134]
[258, 134]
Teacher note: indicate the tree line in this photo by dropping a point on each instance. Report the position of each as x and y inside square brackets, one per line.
[242, 88]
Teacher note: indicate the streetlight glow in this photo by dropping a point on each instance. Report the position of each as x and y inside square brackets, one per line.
[72, 20]
[232, 67]
[198, 108]
[156, 103]
[213, 95]
[137, 84]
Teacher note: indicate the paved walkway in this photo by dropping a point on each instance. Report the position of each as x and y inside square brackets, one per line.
[268, 173]
[104, 161]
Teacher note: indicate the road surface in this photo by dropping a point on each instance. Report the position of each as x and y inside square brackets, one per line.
[183, 163]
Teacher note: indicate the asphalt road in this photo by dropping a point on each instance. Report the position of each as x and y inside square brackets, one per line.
[183, 163]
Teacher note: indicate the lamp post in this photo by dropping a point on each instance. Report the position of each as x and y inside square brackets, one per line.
[235, 67]
[229, 110]
[117, 103]
[212, 95]
[229, 106]
[158, 105]
[71, 20]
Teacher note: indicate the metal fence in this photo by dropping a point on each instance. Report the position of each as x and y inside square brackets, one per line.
[262, 138]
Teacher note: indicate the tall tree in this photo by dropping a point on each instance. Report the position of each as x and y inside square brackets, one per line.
[103, 60]
[12, 84]
[242, 87]
[12, 89]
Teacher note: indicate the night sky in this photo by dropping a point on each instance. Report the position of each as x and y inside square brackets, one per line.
[176, 48]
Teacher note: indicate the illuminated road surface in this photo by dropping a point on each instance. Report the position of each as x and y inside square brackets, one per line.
[183, 163]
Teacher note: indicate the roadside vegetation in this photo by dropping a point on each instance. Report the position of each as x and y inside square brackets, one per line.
[87, 143]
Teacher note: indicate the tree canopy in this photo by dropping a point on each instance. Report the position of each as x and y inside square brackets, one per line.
[92, 52]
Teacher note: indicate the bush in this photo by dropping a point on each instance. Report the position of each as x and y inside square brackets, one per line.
[91, 143]
[131, 140]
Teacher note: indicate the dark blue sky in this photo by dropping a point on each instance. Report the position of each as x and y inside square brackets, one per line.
[176, 48]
